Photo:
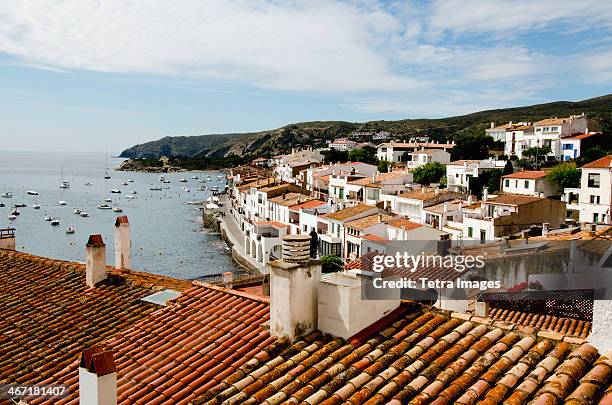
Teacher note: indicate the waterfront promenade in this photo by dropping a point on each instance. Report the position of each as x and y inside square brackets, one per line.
[231, 230]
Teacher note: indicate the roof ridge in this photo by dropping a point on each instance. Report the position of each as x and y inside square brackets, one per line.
[57, 263]
[265, 300]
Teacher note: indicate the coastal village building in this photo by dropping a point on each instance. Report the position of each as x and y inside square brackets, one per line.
[509, 214]
[498, 133]
[529, 182]
[593, 200]
[317, 179]
[549, 132]
[288, 167]
[333, 241]
[396, 151]
[343, 144]
[460, 172]
[423, 156]
[572, 146]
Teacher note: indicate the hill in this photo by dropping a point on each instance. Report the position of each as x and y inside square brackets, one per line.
[280, 140]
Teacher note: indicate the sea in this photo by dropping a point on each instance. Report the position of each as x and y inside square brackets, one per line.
[168, 237]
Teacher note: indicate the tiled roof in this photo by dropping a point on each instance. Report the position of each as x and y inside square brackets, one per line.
[375, 238]
[603, 163]
[349, 212]
[366, 222]
[513, 199]
[274, 224]
[462, 162]
[48, 315]
[290, 199]
[552, 121]
[420, 195]
[182, 350]
[580, 136]
[267, 182]
[403, 223]
[567, 326]
[308, 204]
[420, 356]
[527, 174]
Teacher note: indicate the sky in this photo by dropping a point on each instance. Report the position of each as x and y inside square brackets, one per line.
[92, 75]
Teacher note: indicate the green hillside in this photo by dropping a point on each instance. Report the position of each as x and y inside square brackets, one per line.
[266, 143]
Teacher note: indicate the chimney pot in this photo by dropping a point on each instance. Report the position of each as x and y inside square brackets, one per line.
[123, 243]
[7, 238]
[95, 269]
[380, 218]
[97, 377]
[227, 277]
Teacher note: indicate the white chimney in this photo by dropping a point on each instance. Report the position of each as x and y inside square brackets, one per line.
[470, 200]
[294, 284]
[97, 378]
[343, 312]
[485, 194]
[380, 218]
[7, 238]
[545, 227]
[95, 268]
[123, 243]
[227, 277]
[492, 124]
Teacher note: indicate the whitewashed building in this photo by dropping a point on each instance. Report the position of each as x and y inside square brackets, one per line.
[529, 182]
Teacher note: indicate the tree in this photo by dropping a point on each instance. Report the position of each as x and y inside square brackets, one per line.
[472, 145]
[367, 154]
[564, 175]
[335, 156]
[383, 166]
[508, 168]
[429, 173]
[331, 264]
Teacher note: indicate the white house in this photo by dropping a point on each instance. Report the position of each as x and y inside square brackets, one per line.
[514, 143]
[332, 241]
[529, 182]
[460, 172]
[423, 156]
[394, 151]
[549, 132]
[572, 146]
[595, 197]
[498, 133]
[343, 144]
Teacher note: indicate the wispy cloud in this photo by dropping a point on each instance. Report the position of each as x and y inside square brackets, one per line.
[383, 57]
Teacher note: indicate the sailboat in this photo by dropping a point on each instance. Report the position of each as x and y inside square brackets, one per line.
[63, 183]
[106, 175]
[6, 194]
[36, 205]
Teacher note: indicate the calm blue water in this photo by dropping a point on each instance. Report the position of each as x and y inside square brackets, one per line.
[167, 234]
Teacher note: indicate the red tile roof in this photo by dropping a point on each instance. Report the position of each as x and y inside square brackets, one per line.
[180, 351]
[420, 356]
[603, 163]
[580, 136]
[567, 326]
[375, 238]
[274, 224]
[513, 199]
[527, 174]
[48, 315]
[403, 223]
[308, 204]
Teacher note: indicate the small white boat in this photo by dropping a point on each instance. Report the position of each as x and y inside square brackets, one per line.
[211, 206]
[89, 184]
[108, 200]
[130, 197]
[212, 199]
[36, 206]
[117, 209]
[183, 180]
[130, 181]
[2, 204]
[61, 202]
[134, 192]
[55, 222]
[115, 191]
[15, 211]
[166, 188]
[64, 184]
[47, 217]
[84, 214]
[161, 177]
[195, 177]
[32, 192]
[69, 230]
[166, 182]
[155, 189]
[104, 207]
[77, 211]
[185, 189]
[12, 217]
[20, 205]
[7, 194]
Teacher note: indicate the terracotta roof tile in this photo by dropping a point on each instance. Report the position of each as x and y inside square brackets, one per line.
[603, 163]
[350, 212]
[527, 174]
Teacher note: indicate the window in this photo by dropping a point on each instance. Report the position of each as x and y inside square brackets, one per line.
[538, 129]
[546, 129]
[554, 129]
[507, 183]
[260, 199]
[526, 183]
[594, 180]
[568, 146]
[341, 193]
[515, 183]
[470, 232]
[595, 199]
[595, 217]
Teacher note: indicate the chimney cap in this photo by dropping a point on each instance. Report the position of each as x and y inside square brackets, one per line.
[95, 240]
[122, 219]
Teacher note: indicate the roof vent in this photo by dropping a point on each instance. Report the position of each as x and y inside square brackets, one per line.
[296, 248]
[161, 298]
